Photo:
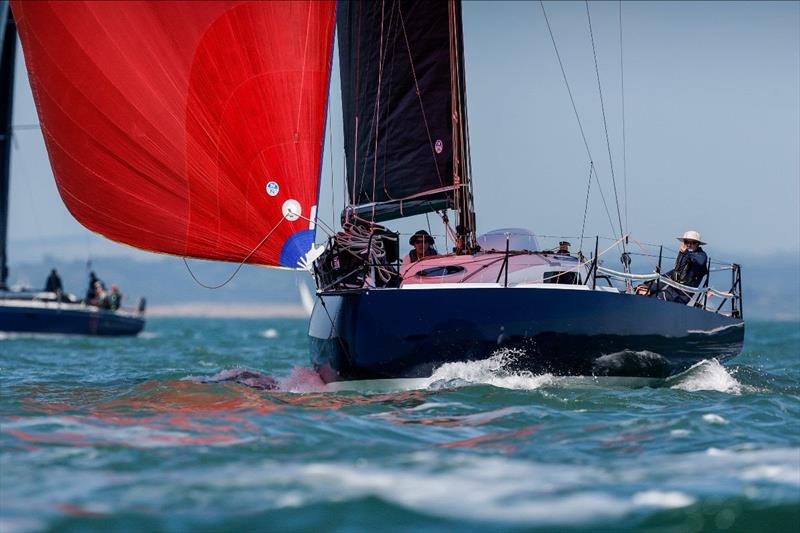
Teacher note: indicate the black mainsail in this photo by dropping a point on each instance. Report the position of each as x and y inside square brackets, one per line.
[402, 77]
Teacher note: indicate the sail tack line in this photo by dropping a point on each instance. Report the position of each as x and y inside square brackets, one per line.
[240, 265]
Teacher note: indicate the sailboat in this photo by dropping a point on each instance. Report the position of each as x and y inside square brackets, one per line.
[197, 129]
[31, 311]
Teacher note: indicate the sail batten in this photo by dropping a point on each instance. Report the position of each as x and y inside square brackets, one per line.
[193, 129]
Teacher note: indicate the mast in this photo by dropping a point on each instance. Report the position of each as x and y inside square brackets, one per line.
[462, 166]
[8, 35]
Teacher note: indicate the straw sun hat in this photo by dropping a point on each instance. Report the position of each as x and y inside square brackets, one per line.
[691, 235]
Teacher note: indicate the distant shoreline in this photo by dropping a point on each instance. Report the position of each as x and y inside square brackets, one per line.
[216, 310]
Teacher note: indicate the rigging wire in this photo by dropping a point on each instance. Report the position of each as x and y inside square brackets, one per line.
[330, 161]
[586, 204]
[381, 59]
[577, 117]
[605, 123]
[624, 142]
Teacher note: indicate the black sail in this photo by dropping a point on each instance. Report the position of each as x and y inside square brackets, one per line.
[397, 101]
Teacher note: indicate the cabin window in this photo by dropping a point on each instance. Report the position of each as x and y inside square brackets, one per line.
[562, 278]
[448, 270]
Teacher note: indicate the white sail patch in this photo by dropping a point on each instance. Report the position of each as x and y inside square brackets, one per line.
[292, 209]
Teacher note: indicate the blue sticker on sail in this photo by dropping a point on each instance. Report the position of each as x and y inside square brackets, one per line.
[296, 247]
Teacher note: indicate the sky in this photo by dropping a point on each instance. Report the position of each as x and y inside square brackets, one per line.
[712, 129]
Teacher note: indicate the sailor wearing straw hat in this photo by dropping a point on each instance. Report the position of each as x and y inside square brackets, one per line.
[690, 268]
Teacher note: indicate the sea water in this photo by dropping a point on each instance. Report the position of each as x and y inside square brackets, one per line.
[129, 434]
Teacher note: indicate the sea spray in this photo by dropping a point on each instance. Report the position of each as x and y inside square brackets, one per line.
[492, 371]
[707, 375]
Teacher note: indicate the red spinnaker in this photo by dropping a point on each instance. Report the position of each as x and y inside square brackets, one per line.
[189, 128]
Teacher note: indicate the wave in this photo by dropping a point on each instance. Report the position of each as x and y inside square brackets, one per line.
[492, 371]
[242, 376]
[707, 375]
[507, 490]
[496, 371]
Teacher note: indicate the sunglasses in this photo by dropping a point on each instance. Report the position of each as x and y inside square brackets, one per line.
[695, 243]
[419, 241]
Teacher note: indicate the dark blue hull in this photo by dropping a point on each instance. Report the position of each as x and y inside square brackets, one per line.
[68, 319]
[405, 333]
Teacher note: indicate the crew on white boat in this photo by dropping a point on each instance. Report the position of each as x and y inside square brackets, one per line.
[423, 247]
[690, 269]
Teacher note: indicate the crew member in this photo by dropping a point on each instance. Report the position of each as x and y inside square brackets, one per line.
[53, 283]
[100, 298]
[690, 268]
[563, 248]
[91, 292]
[423, 247]
[115, 298]
[461, 240]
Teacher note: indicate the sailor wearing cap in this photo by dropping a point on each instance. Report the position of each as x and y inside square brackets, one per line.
[563, 248]
[423, 247]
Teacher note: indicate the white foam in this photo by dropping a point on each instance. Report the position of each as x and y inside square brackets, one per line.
[269, 333]
[491, 371]
[787, 474]
[707, 375]
[663, 499]
[149, 335]
[471, 488]
[716, 330]
[711, 418]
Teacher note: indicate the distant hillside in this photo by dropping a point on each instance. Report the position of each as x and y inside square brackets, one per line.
[771, 285]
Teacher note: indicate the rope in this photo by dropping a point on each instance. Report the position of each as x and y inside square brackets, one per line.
[586, 204]
[577, 116]
[361, 242]
[605, 124]
[624, 143]
[665, 280]
[239, 267]
[381, 59]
